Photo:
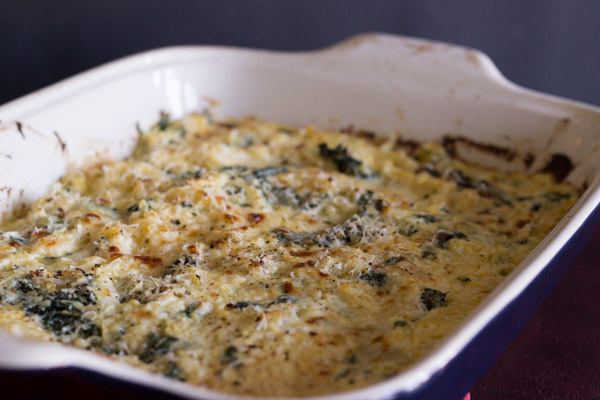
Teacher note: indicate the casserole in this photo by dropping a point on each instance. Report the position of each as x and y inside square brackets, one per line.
[376, 82]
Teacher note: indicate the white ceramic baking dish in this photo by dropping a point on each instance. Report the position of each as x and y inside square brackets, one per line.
[387, 84]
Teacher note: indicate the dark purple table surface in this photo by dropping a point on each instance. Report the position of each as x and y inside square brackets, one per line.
[556, 356]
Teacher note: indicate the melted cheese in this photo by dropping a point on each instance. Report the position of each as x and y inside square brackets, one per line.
[255, 258]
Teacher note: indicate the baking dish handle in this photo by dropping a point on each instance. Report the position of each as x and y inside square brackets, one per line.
[453, 64]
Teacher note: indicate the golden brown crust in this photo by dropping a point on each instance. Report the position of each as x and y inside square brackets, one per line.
[256, 258]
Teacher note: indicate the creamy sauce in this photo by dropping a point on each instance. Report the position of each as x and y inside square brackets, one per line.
[255, 258]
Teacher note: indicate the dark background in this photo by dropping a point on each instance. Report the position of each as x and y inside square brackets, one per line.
[551, 46]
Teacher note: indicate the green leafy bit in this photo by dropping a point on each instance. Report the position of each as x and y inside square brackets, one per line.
[366, 200]
[400, 323]
[209, 117]
[245, 142]
[164, 121]
[359, 227]
[487, 190]
[556, 196]
[342, 375]
[393, 260]
[186, 175]
[425, 218]
[188, 311]
[60, 311]
[232, 190]
[442, 236]
[461, 180]
[433, 298]
[156, 346]
[187, 260]
[242, 305]
[483, 187]
[25, 285]
[281, 300]
[63, 317]
[287, 196]
[285, 129]
[288, 237]
[229, 355]
[142, 205]
[183, 262]
[280, 195]
[268, 171]
[408, 230]
[172, 370]
[17, 239]
[428, 253]
[274, 193]
[524, 198]
[341, 157]
[373, 278]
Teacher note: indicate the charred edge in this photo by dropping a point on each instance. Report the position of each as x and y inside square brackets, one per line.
[562, 125]
[584, 186]
[350, 130]
[138, 128]
[255, 218]
[63, 145]
[433, 298]
[411, 145]
[449, 143]
[559, 167]
[150, 260]
[528, 160]
[20, 129]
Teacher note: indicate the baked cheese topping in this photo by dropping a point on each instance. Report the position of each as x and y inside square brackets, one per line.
[254, 258]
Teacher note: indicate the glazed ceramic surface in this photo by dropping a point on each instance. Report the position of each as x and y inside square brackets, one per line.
[387, 84]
